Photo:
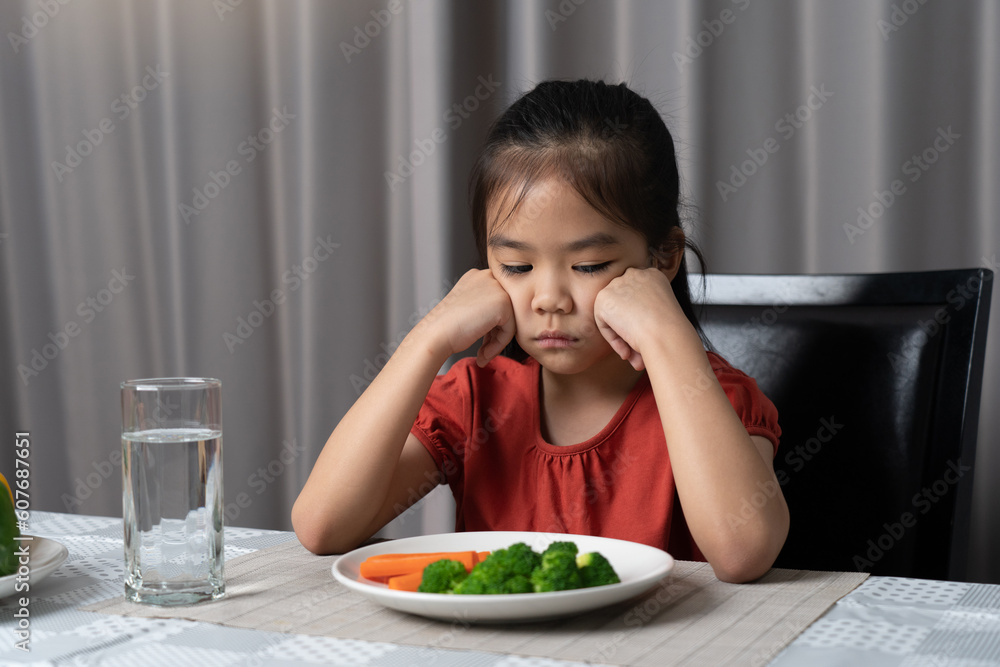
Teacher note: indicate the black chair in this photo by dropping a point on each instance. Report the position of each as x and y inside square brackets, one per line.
[877, 380]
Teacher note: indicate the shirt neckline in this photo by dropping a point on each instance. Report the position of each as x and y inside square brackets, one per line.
[564, 450]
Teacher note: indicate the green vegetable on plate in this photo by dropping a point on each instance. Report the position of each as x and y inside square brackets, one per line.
[519, 569]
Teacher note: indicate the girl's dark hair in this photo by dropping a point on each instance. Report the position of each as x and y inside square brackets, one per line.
[609, 143]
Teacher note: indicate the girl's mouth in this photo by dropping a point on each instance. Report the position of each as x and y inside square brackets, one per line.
[555, 339]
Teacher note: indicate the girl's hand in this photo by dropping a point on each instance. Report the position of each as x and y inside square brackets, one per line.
[633, 307]
[476, 307]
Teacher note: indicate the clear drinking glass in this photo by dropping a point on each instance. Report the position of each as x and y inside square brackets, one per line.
[172, 490]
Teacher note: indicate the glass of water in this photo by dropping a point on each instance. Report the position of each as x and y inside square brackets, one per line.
[172, 490]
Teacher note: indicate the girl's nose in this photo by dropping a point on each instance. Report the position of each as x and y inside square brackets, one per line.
[551, 296]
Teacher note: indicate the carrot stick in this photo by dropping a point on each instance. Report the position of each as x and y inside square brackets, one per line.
[406, 582]
[373, 569]
[437, 554]
[481, 556]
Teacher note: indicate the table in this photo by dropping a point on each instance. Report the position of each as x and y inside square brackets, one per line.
[886, 621]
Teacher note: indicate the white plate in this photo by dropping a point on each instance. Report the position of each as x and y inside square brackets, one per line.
[46, 556]
[638, 566]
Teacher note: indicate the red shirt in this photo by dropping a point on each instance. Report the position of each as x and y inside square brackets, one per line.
[482, 426]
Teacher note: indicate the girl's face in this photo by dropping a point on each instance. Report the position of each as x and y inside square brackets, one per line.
[552, 256]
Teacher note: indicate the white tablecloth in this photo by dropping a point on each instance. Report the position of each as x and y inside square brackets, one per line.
[890, 621]
[886, 621]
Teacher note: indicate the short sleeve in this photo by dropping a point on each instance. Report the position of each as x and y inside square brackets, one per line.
[755, 410]
[444, 420]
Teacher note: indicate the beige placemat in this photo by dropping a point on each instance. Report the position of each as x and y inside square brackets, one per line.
[689, 618]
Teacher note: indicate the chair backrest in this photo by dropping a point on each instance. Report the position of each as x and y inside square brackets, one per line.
[877, 379]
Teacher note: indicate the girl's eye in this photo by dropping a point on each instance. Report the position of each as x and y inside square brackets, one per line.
[592, 268]
[515, 270]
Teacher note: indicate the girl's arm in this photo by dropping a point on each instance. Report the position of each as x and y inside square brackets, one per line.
[371, 466]
[719, 469]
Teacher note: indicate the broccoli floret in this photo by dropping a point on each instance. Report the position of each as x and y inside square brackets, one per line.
[558, 572]
[517, 559]
[519, 569]
[595, 570]
[503, 571]
[568, 547]
[518, 584]
[442, 576]
[477, 583]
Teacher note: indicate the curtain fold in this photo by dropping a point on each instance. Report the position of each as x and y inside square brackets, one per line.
[273, 193]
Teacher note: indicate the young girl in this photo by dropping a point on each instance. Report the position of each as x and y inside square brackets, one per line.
[607, 416]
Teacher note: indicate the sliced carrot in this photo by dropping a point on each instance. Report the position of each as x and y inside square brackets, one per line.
[481, 556]
[374, 569]
[406, 582]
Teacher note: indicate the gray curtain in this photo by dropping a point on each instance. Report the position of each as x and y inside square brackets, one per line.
[272, 193]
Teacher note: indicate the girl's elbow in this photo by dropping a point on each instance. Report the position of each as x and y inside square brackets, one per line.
[741, 571]
[322, 535]
[750, 558]
[312, 534]
[321, 542]
[746, 562]
[306, 533]
[311, 542]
